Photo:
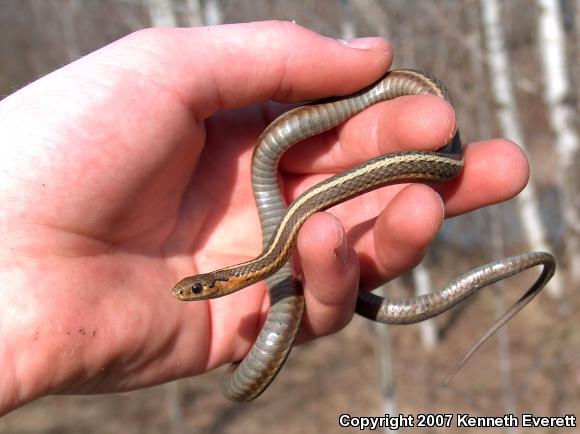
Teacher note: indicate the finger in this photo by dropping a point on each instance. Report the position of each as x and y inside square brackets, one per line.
[229, 66]
[407, 123]
[494, 171]
[171, 76]
[399, 236]
[330, 273]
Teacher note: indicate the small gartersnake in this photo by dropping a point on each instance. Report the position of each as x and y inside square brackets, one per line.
[280, 225]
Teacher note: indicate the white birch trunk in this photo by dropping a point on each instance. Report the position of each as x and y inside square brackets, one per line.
[161, 13]
[562, 115]
[576, 7]
[174, 411]
[382, 335]
[503, 343]
[421, 274]
[213, 13]
[507, 112]
[374, 14]
[194, 13]
[494, 216]
[69, 16]
[428, 328]
[385, 361]
[348, 28]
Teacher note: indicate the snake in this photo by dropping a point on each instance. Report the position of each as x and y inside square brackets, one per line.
[247, 379]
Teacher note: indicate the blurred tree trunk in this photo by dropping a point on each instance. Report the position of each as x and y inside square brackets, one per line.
[203, 13]
[373, 14]
[213, 13]
[508, 117]
[69, 15]
[493, 213]
[562, 115]
[384, 355]
[422, 281]
[161, 13]
[576, 7]
[174, 407]
[348, 27]
[194, 13]
[382, 337]
[407, 55]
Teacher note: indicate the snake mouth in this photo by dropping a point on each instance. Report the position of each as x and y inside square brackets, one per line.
[179, 293]
[187, 291]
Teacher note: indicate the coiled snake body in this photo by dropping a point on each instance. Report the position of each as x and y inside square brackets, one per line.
[249, 378]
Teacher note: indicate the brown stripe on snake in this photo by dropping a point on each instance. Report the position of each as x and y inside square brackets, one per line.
[280, 225]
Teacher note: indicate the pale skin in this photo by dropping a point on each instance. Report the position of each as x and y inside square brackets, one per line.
[129, 169]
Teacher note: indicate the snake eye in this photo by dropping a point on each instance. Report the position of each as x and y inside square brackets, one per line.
[196, 288]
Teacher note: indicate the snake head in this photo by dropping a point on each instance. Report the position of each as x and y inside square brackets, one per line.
[199, 287]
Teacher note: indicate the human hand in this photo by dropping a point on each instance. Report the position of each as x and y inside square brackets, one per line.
[129, 169]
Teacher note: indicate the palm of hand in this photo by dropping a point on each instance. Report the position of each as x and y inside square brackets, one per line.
[121, 187]
[117, 218]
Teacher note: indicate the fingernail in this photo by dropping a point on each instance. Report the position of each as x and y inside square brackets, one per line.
[363, 43]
